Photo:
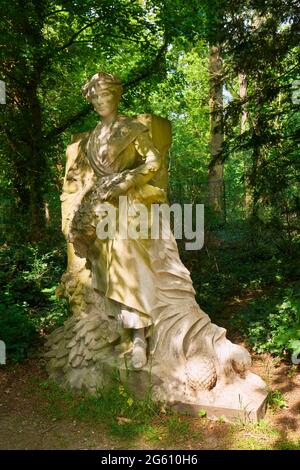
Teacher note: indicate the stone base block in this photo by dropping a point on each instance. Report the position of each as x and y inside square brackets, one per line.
[245, 399]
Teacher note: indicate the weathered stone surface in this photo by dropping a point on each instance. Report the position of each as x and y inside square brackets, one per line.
[189, 362]
[245, 400]
[76, 361]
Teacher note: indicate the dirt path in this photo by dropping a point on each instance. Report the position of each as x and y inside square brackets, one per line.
[26, 422]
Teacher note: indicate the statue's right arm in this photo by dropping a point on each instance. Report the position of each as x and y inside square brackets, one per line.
[138, 176]
[79, 174]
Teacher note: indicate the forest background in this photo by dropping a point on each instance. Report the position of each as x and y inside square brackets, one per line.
[226, 73]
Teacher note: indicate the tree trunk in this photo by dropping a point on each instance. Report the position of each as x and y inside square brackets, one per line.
[28, 165]
[23, 126]
[37, 210]
[216, 170]
[38, 169]
[244, 119]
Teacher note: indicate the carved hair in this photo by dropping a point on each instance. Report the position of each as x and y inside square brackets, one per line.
[103, 81]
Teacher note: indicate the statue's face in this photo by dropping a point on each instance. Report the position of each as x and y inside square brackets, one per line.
[105, 102]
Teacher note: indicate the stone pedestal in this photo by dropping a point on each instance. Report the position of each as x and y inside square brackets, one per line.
[245, 399]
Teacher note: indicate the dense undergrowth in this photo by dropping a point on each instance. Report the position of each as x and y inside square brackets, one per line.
[29, 308]
[258, 272]
[253, 270]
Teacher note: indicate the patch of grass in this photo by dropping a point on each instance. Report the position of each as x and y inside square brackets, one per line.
[221, 420]
[287, 444]
[178, 428]
[293, 371]
[154, 434]
[254, 436]
[262, 428]
[124, 415]
[276, 400]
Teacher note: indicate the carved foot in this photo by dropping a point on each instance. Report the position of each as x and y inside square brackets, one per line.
[233, 358]
[241, 359]
[139, 354]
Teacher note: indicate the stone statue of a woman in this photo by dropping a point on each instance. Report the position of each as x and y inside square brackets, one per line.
[124, 159]
[145, 288]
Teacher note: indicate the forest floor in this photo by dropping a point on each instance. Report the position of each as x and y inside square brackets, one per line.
[33, 416]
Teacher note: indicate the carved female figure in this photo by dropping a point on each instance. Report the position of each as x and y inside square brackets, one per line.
[123, 159]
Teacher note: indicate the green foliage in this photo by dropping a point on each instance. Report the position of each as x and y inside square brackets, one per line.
[260, 42]
[239, 259]
[276, 400]
[116, 406]
[271, 323]
[48, 52]
[287, 444]
[29, 307]
[177, 428]
[221, 419]
[160, 50]
[16, 329]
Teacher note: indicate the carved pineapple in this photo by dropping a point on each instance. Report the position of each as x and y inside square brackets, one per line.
[200, 373]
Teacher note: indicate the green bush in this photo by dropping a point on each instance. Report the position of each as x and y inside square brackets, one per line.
[237, 260]
[271, 323]
[29, 308]
[16, 328]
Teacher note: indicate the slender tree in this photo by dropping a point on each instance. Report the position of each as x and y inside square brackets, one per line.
[216, 170]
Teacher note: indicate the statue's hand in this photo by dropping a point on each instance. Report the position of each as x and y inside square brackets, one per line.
[116, 190]
[109, 182]
[114, 186]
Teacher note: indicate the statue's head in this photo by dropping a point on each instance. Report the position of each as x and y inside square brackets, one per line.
[104, 91]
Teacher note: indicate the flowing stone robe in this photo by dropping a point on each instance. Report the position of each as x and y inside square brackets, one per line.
[127, 271]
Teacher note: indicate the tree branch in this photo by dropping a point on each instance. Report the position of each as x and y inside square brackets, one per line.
[55, 12]
[75, 35]
[56, 131]
[150, 70]
[97, 37]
